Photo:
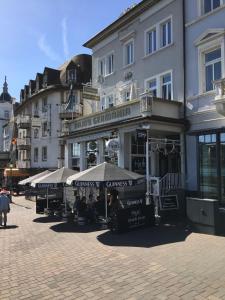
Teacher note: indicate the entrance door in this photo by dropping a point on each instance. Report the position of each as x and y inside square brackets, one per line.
[169, 163]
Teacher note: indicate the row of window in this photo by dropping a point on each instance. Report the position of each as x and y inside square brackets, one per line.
[209, 5]
[157, 37]
[160, 86]
[44, 154]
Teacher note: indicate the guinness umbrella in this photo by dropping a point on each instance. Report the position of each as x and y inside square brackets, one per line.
[28, 180]
[105, 175]
[54, 179]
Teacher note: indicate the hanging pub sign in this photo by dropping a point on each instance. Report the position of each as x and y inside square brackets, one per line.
[141, 134]
[90, 93]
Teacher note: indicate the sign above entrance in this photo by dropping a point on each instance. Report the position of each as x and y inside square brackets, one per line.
[141, 134]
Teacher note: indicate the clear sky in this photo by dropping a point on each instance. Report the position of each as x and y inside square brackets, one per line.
[39, 33]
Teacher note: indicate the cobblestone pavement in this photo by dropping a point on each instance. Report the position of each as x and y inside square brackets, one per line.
[54, 260]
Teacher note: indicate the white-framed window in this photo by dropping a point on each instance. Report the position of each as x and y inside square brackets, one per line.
[75, 149]
[209, 5]
[151, 42]
[107, 101]
[6, 114]
[152, 86]
[166, 33]
[210, 63]
[213, 68]
[161, 85]
[36, 133]
[44, 105]
[71, 75]
[103, 103]
[44, 128]
[129, 52]
[166, 88]
[106, 65]
[110, 101]
[44, 153]
[35, 154]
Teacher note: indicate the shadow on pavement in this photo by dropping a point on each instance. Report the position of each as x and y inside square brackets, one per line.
[71, 227]
[9, 227]
[147, 237]
[47, 219]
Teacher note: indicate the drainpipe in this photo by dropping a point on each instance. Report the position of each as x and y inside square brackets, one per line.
[184, 87]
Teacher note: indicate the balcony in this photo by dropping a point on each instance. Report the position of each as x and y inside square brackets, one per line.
[219, 100]
[23, 122]
[144, 106]
[24, 143]
[23, 164]
[70, 113]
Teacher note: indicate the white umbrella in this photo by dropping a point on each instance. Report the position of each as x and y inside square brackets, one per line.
[54, 179]
[29, 179]
[105, 175]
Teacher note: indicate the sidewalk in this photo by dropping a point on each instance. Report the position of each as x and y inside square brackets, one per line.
[54, 260]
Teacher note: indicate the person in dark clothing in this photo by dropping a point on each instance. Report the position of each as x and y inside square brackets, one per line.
[81, 207]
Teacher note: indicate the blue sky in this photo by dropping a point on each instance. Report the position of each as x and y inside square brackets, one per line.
[39, 33]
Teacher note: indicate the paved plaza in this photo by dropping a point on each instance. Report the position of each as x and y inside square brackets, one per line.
[49, 259]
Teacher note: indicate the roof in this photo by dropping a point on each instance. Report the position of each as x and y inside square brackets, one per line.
[121, 22]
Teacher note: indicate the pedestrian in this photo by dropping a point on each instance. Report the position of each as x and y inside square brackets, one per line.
[4, 209]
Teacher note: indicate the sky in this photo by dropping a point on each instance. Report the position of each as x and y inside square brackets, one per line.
[39, 33]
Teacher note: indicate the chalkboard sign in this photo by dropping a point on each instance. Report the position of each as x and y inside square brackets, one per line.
[134, 214]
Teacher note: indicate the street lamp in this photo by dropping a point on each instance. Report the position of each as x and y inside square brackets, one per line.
[11, 167]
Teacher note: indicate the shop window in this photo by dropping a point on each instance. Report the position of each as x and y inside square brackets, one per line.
[138, 157]
[75, 149]
[208, 171]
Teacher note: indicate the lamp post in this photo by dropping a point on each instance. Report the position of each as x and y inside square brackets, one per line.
[11, 167]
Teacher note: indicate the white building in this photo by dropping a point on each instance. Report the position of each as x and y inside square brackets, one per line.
[47, 103]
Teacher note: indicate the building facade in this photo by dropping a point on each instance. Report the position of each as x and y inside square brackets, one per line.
[205, 72]
[46, 105]
[137, 69]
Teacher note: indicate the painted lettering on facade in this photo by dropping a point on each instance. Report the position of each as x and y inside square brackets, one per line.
[103, 118]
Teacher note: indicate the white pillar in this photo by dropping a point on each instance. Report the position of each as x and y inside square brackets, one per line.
[67, 157]
[121, 152]
[83, 161]
[153, 159]
[182, 159]
[101, 150]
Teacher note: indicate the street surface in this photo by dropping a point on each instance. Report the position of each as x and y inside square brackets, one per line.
[49, 259]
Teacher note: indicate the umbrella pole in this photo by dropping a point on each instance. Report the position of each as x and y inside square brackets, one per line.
[47, 197]
[64, 198]
[106, 211]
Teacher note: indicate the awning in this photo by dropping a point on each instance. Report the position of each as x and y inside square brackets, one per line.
[15, 172]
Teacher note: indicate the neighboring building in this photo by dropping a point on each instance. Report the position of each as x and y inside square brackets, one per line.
[6, 111]
[205, 96]
[137, 67]
[46, 104]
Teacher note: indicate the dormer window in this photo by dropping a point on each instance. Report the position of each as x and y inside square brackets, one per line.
[71, 75]
[45, 80]
[37, 84]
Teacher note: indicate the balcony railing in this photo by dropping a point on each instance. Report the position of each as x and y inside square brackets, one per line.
[23, 121]
[23, 164]
[220, 96]
[70, 113]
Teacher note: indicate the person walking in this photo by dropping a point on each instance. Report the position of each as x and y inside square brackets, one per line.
[4, 209]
